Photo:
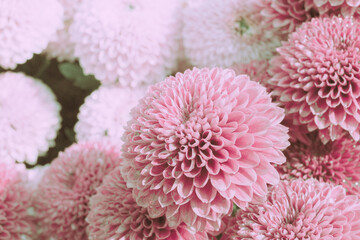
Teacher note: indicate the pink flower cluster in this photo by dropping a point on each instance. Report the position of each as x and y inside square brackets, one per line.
[258, 140]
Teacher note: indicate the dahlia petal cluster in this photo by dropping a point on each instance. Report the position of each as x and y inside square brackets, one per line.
[105, 113]
[14, 201]
[201, 141]
[26, 28]
[337, 162]
[114, 39]
[316, 77]
[62, 199]
[287, 15]
[29, 118]
[300, 210]
[224, 33]
[114, 214]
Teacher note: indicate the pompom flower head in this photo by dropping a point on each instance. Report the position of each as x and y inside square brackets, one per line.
[222, 33]
[138, 40]
[285, 16]
[26, 28]
[337, 162]
[317, 77]
[114, 214]
[62, 201]
[106, 112]
[29, 118]
[300, 210]
[198, 142]
[14, 200]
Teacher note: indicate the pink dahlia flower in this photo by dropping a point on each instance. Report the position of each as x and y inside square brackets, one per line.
[300, 210]
[257, 70]
[337, 162]
[62, 202]
[105, 113]
[129, 43]
[222, 33]
[286, 15]
[201, 141]
[114, 214]
[317, 77]
[29, 118]
[26, 28]
[14, 201]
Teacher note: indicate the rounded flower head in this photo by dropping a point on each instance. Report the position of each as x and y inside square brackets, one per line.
[337, 162]
[29, 118]
[15, 222]
[285, 16]
[114, 214]
[62, 202]
[317, 77]
[26, 28]
[127, 42]
[300, 210]
[106, 112]
[198, 142]
[222, 33]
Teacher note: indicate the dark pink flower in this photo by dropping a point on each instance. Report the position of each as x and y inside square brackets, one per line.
[337, 162]
[15, 199]
[201, 141]
[300, 210]
[66, 187]
[114, 214]
[316, 77]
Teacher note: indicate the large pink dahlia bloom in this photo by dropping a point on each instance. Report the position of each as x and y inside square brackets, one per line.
[105, 113]
[337, 162]
[114, 214]
[127, 42]
[29, 118]
[26, 27]
[14, 201]
[286, 15]
[222, 33]
[198, 142]
[300, 210]
[317, 77]
[62, 199]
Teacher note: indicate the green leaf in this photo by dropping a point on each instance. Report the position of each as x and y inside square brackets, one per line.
[74, 72]
[70, 135]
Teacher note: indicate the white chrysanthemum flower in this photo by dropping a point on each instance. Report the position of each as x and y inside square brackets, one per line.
[105, 113]
[26, 27]
[128, 42]
[222, 33]
[29, 118]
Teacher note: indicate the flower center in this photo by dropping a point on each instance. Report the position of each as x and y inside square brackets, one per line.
[241, 26]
